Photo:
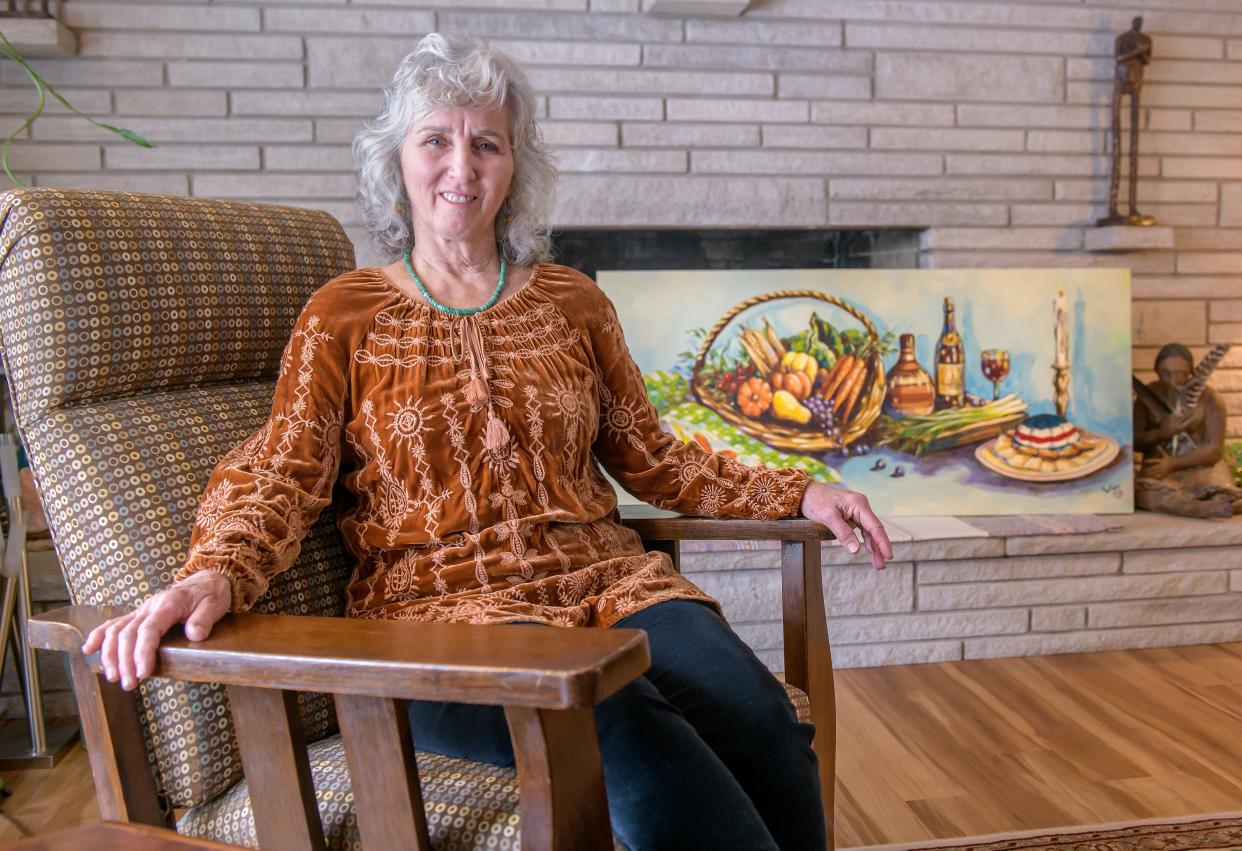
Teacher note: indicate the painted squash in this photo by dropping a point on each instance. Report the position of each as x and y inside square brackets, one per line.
[754, 397]
[797, 383]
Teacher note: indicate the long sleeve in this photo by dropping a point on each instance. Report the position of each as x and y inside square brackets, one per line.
[657, 467]
[265, 493]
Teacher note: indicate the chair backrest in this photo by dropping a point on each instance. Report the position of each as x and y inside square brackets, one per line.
[142, 335]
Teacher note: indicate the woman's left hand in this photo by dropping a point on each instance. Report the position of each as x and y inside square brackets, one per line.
[841, 511]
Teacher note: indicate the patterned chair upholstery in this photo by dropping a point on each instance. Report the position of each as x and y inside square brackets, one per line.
[142, 336]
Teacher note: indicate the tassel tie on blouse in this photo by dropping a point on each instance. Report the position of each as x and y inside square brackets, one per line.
[479, 390]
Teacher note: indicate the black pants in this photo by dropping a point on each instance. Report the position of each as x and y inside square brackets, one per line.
[703, 751]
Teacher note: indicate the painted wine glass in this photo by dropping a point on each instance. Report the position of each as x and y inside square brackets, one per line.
[995, 366]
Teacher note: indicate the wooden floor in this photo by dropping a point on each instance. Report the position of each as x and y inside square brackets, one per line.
[970, 748]
[43, 801]
[962, 748]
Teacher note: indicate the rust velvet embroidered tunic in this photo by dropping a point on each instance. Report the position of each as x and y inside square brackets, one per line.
[373, 392]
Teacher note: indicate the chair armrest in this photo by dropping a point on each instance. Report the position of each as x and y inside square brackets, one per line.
[655, 524]
[496, 664]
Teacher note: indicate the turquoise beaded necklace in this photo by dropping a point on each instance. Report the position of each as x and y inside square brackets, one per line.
[456, 311]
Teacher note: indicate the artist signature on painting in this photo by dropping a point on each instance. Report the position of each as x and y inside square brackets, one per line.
[1115, 490]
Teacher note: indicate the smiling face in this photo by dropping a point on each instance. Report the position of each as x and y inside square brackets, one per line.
[457, 167]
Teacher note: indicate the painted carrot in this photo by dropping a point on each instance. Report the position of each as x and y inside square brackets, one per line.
[701, 440]
[852, 397]
[834, 379]
[855, 376]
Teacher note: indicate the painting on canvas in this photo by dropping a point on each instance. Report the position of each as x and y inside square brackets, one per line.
[966, 392]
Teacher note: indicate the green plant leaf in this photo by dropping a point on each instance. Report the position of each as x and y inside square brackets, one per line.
[125, 133]
[44, 88]
[38, 110]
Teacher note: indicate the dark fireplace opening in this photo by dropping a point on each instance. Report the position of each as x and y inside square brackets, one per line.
[590, 250]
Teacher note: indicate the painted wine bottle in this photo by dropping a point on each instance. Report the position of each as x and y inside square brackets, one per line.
[950, 362]
[911, 391]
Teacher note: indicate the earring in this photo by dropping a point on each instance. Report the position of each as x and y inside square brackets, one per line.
[400, 207]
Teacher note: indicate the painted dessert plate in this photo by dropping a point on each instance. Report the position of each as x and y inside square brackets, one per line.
[1083, 464]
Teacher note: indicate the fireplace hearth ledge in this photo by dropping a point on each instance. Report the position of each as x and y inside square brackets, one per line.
[1158, 581]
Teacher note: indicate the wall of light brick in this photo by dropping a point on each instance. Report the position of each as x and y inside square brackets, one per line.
[979, 119]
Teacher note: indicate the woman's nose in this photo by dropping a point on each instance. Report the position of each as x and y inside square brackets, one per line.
[463, 166]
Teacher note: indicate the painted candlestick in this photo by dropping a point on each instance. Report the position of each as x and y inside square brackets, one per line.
[1061, 366]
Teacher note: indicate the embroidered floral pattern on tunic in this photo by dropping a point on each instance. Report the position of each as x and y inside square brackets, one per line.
[568, 404]
[445, 529]
[461, 457]
[545, 332]
[257, 509]
[212, 506]
[534, 425]
[294, 419]
[390, 501]
[711, 498]
[403, 577]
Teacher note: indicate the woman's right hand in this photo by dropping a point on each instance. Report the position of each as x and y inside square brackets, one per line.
[128, 643]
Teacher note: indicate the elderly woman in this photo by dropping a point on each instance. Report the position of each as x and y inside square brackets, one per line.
[463, 396]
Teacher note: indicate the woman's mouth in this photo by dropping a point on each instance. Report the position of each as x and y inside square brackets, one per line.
[454, 198]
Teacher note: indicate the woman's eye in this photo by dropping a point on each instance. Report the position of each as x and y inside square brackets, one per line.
[488, 146]
[434, 141]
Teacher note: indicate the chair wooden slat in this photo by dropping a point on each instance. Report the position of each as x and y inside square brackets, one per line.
[808, 657]
[273, 752]
[564, 807]
[387, 795]
[114, 743]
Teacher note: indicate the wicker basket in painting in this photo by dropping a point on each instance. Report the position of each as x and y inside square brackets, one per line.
[791, 436]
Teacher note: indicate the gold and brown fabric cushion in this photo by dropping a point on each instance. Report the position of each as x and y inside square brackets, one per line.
[130, 473]
[141, 336]
[469, 805]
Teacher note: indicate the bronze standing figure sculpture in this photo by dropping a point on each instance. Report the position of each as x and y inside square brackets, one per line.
[1133, 52]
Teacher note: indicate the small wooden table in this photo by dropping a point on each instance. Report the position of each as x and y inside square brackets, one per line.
[113, 836]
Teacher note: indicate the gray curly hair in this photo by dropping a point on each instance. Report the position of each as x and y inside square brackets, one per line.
[452, 70]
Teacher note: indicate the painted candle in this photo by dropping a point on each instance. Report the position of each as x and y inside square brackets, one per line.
[1060, 317]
